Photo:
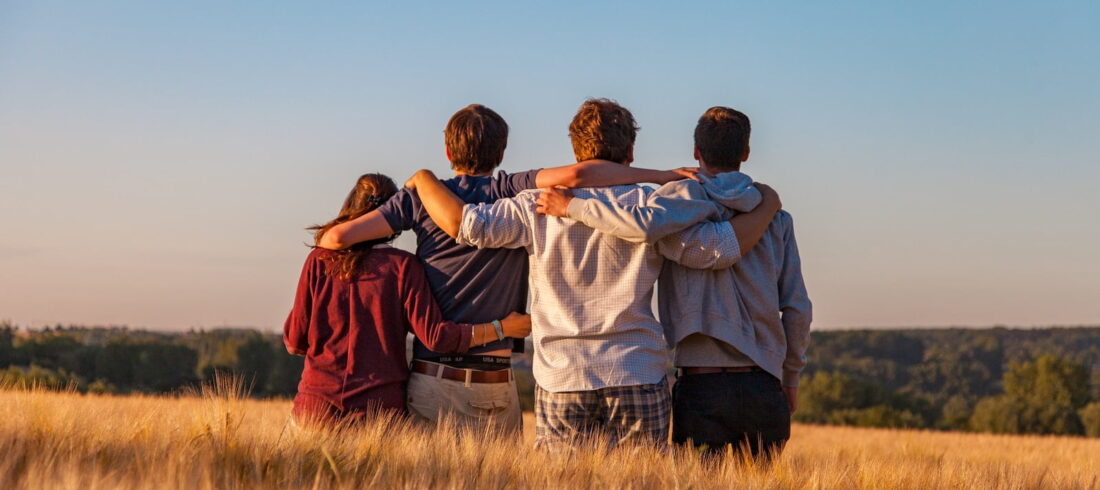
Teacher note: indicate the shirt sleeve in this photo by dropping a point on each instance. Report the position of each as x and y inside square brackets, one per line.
[671, 208]
[423, 315]
[510, 185]
[399, 211]
[795, 307]
[707, 245]
[502, 224]
[296, 328]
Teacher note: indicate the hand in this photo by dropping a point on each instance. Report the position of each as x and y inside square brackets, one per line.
[420, 174]
[554, 201]
[770, 197]
[516, 325]
[682, 173]
[792, 397]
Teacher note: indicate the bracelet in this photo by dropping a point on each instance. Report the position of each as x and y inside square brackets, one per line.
[499, 328]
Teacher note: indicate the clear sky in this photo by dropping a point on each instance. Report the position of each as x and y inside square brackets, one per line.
[159, 160]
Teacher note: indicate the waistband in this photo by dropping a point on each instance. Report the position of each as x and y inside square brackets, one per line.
[464, 375]
[692, 371]
[476, 362]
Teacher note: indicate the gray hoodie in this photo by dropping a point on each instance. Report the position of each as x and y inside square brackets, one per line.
[759, 306]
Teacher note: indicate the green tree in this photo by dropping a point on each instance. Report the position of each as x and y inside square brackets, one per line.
[1049, 379]
[285, 374]
[255, 359]
[7, 344]
[145, 365]
[161, 367]
[956, 413]
[1041, 397]
[115, 364]
[1000, 414]
[1090, 418]
[876, 416]
[825, 392]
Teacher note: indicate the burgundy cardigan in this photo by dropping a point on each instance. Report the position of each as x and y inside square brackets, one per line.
[352, 332]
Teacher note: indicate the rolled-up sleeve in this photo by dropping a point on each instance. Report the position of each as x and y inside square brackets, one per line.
[502, 224]
[709, 245]
[795, 306]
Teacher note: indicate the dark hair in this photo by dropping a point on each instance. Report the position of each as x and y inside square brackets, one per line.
[476, 137]
[370, 191]
[603, 129]
[722, 137]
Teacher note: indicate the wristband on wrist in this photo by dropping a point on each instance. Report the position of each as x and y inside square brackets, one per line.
[499, 328]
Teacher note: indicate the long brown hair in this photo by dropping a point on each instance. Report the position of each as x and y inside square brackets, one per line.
[370, 191]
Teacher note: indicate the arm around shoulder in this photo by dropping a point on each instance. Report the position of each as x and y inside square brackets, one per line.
[667, 210]
[370, 226]
[442, 205]
[600, 173]
[708, 245]
[502, 224]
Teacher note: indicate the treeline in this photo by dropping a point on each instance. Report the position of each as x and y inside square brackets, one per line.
[1022, 381]
[1028, 381]
[120, 360]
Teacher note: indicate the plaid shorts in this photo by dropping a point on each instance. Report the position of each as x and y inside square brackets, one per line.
[637, 414]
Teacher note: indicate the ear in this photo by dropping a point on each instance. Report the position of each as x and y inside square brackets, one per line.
[745, 157]
[629, 157]
[695, 154]
[447, 151]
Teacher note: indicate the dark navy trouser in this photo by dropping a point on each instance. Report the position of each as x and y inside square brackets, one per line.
[746, 410]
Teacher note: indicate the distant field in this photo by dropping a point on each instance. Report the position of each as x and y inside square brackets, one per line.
[67, 440]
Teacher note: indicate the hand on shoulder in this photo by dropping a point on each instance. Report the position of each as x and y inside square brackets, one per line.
[554, 201]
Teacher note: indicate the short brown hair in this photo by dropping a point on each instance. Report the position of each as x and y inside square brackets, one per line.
[722, 137]
[603, 129]
[476, 137]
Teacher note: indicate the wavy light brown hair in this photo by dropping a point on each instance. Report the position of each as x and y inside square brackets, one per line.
[370, 191]
[603, 129]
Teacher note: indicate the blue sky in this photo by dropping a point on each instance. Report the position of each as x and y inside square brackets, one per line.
[160, 161]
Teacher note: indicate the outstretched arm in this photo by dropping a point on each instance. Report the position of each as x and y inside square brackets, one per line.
[498, 225]
[719, 245]
[599, 173]
[444, 207]
[370, 226]
[662, 215]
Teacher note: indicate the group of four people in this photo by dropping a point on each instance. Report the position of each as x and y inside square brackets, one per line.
[731, 296]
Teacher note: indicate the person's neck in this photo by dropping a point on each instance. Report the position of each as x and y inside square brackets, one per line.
[736, 168]
[460, 173]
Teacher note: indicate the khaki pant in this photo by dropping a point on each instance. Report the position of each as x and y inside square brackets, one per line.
[490, 406]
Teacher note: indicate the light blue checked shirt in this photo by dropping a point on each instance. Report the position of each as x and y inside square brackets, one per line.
[592, 323]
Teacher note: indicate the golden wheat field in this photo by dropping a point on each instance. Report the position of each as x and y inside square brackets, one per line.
[218, 439]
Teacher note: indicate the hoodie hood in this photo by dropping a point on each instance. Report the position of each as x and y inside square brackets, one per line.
[733, 190]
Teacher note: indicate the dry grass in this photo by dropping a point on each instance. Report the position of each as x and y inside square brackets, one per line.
[219, 440]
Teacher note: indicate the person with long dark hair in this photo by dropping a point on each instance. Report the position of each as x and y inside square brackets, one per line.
[352, 311]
